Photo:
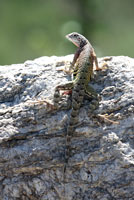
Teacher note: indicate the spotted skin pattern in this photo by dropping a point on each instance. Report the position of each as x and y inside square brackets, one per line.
[82, 65]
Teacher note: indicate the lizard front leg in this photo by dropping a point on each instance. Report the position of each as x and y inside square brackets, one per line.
[57, 96]
[95, 61]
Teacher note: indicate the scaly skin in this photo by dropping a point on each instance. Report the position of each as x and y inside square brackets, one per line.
[82, 65]
[83, 70]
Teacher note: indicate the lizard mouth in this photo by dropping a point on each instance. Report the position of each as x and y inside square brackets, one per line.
[70, 39]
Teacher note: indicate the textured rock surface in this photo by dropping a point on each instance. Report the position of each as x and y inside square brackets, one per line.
[101, 166]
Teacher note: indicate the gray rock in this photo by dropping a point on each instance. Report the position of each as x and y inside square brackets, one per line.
[32, 137]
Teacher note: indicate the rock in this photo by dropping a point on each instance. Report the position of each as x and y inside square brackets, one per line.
[32, 138]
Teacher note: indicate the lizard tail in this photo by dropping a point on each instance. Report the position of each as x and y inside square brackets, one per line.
[77, 99]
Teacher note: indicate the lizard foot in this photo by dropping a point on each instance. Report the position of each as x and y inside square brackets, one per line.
[50, 105]
[106, 117]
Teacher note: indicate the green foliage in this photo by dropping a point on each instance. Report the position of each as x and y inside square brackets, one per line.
[34, 28]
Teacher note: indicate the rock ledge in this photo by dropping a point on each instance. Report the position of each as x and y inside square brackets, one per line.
[32, 139]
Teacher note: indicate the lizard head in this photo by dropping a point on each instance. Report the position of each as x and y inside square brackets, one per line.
[77, 39]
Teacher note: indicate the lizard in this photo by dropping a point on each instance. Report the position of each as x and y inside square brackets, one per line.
[82, 65]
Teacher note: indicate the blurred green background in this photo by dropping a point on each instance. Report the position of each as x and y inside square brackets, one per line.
[34, 28]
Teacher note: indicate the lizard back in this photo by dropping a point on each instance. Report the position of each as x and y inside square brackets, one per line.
[84, 65]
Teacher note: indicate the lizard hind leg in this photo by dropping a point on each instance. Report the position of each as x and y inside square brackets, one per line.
[91, 95]
[90, 92]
